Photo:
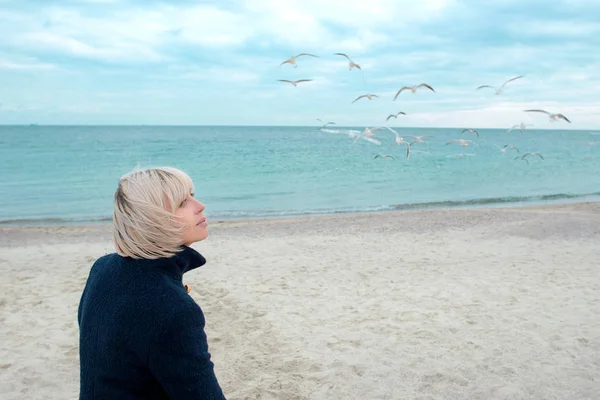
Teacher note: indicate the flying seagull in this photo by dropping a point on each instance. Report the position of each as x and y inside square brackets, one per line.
[292, 59]
[506, 147]
[368, 96]
[324, 123]
[521, 127]
[413, 89]
[418, 139]
[384, 157]
[367, 135]
[531, 155]
[399, 140]
[295, 83]
[351, 64]
[462, 142]
[553, 117]
[501, 88]
[470, 131]
[395, 115]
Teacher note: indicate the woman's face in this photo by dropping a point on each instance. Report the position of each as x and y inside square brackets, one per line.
[190, 213]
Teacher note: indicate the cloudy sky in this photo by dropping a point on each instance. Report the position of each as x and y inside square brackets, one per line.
[217, 62]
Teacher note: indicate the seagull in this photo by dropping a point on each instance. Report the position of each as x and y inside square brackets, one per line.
[324, 123]
[413, 89]
[395, 115]
[368, 96]
[367, 135]
[292, 59]
[418, 139]
[384, 157]
[529, 154]
[470, 131]
[500, 90]
[521, 126]
[463, 142]
[553, 117]
[369, 131]
[351, 64]
[506, 147]
[535, 154]
[352, 134]
[295, 83]
[400, 140]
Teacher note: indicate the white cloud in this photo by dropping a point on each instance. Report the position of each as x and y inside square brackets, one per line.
[25, 66]
[123, 51]
[555, 28]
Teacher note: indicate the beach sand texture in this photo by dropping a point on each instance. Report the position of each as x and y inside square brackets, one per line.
[440, 304]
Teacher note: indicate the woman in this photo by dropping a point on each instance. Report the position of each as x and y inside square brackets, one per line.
[141, 334]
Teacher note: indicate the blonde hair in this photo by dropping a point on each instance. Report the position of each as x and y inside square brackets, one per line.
[144, 220]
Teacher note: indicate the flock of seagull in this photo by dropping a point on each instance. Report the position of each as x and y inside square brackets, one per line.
[368, 133]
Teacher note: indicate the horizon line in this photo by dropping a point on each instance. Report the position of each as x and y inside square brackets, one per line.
[270, 126]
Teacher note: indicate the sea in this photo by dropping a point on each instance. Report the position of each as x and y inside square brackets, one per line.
[68, 174]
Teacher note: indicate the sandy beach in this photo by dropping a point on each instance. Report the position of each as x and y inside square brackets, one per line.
[498, 303]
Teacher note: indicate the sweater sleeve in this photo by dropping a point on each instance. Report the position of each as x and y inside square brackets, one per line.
[180, 361]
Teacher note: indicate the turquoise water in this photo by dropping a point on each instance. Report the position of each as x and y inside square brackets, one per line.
[69, 173]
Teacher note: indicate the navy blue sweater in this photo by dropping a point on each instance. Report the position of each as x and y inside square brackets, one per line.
[141, 334]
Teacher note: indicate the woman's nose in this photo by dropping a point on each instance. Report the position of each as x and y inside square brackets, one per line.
[201, 207]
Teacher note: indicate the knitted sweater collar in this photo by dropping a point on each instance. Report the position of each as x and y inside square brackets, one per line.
[175, 266]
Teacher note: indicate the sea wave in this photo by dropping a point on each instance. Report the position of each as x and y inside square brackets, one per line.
[251, 214]
[494, 200]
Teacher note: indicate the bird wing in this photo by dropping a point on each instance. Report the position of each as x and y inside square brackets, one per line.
[359, 97]
[343, 55]
[401, 112]
[391, 130]
[330, 130]
[538, 154]
[407, 150]
[306, 54]
[542, 111]
[426, 86]
[512, 128]
[400, 91]
[511, 79]
[344, 131]
[390, 116]
[284, 80]
[563, 117]
[303, 80]
[371, 140]
[484, 86]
